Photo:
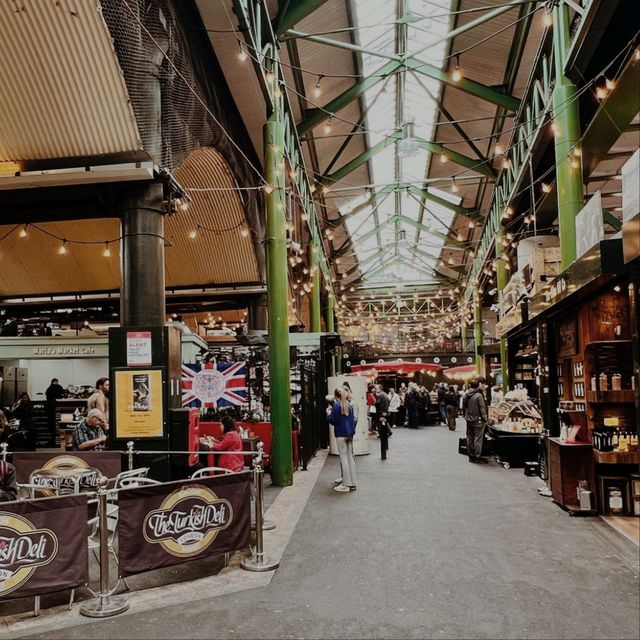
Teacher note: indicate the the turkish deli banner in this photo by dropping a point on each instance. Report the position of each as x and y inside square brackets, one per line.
[109, 463]
[43, 546]
[167, 524]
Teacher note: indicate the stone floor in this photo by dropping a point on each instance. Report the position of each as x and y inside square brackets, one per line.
[429, 546]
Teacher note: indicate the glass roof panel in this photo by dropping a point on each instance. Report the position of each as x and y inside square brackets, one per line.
[427, 23]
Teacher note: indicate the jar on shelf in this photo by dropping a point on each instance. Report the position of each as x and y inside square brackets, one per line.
[594, 383]
[603, 381]
[616, 382]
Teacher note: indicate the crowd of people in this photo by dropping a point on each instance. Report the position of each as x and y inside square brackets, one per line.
[413, 406]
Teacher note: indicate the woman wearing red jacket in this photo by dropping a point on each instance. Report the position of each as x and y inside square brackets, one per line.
[231, 441]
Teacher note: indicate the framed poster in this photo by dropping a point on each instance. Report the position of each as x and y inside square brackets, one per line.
[139, 403]
[567, 337]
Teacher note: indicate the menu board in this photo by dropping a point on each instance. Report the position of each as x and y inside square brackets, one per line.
[139, 403]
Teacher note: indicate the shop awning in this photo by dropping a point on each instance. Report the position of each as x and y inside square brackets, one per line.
[464, 372]
[398, 366]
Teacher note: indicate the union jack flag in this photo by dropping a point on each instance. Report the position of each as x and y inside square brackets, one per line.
[214, 384]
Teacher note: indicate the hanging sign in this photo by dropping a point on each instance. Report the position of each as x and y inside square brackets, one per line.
[139, 348]
[139, 403]
[589, 225]
[43, 546]
[174, 522]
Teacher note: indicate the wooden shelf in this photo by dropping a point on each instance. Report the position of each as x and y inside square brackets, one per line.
[617, 457]
[615, 397]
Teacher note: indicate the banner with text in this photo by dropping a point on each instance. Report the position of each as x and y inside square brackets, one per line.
[43, 546]
[174, 522]
[67, 464]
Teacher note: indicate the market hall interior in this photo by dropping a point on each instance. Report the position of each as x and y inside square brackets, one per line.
[249, 246]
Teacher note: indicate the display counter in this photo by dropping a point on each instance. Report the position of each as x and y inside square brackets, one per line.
[514, 448]
[569, 464]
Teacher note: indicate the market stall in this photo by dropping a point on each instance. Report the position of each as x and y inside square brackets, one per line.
[516, 429]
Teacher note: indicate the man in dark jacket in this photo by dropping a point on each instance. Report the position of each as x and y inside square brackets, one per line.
[475, 413]
[442, 407]
[382, 409]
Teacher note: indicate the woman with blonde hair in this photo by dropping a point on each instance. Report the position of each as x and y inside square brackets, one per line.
[342, 419]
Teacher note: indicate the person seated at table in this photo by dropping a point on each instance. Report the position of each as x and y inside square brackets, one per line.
[89, 435]
[8, 486]
[230, 441]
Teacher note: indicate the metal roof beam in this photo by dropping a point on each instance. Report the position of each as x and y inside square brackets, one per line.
[472, 87]
[290, 13]
[427, 195]
[314, 117]
[361, 159]
[481, 166]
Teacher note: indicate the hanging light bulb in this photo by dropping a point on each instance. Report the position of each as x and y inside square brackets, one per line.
[443, 158]
[601, 92]
[193, 234]
[548, 18]
[555, 129]
[328, 126]
[577, 151]
[454, 186]
[268, 188]
[609, 84]
[242, 55]
[546, 188]
[62, 249]
[23, 232]
[317, 91]
[107, 252]
[506, 163]
[456, 76]
[498, 150]
[270, 76]
[244, 231]
[471, 224]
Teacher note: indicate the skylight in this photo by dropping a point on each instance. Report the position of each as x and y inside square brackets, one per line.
[427, 23]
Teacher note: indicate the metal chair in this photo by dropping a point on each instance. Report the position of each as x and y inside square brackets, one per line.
[209, 471]
[32, 489]
[137, 481]
[93, 533]
[140, 472]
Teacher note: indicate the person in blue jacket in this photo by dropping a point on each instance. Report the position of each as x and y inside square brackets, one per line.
[344, 428]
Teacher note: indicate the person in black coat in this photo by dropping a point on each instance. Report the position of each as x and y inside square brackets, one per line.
[22, 410]
[53, 393]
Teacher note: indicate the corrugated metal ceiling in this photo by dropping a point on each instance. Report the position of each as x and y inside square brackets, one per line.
[32, 265]
[63, 91]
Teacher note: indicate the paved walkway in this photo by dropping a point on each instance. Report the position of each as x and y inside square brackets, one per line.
[429, 546]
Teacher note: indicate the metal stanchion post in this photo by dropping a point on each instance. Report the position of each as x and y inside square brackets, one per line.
[267, 525]
[104, 604]
[130, 445]
[258, 562]
[3, 455]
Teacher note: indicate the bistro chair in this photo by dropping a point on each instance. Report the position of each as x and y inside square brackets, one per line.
[93, 532]
[140, 472]
[209, 471]
[137, 481]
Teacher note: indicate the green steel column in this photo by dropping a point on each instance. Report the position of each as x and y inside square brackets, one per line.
[502, 277]
[331, 327]
[567, 136]
[314, 297]
[277, 296]
[477, 331]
